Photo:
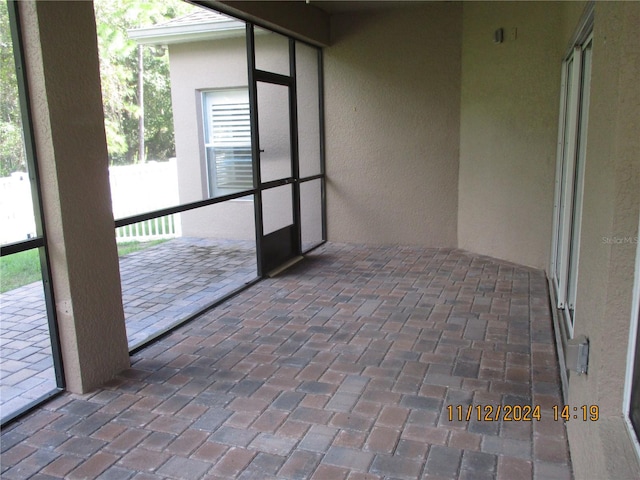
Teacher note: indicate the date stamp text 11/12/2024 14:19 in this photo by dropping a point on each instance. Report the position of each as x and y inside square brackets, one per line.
[521, 413]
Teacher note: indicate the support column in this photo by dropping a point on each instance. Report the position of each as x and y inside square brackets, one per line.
[61, 54]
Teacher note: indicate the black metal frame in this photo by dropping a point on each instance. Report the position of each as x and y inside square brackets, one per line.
[322, 145]
[254, 76]
[40, 241]
[222, 8]
[255, 145]
[282, 245]
[123, 222]
[267, 77]
[218, 301]
[322, 175]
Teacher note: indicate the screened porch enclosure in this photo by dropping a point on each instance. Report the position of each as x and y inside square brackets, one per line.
[189, 227]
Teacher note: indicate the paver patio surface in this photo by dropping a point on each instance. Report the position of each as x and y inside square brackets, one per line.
[161, 285]
[350, 365]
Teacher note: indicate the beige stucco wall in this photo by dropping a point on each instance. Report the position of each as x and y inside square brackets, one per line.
[392, 103]
[62, 66]
[220, 64]
[606, 271]
[392, 140]
[196, 67]
[508, 132]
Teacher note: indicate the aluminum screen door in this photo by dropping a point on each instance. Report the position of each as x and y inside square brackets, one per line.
[274, 129]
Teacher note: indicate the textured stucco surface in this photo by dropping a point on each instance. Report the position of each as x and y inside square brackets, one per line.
[222, 64]
[392, 102]
[508, 128]
[608, 243]
[196, 67]
[62, 63]
[410, 97]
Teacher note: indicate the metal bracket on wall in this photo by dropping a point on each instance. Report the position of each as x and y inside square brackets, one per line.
[577, 354]
[498, 35]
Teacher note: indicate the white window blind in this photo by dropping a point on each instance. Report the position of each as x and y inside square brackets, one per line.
[228, 140]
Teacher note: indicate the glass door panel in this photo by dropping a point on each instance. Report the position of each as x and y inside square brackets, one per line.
[277, 208]
[280, 241]
[280, 237]
[311, 213]
[560, 255]
[308, 98]
[272, 51]
[579, 179]
[570, 177]
[632, 394]
[274, 131]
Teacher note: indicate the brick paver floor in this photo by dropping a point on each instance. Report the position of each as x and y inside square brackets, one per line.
[161, 285]
[350, 365]
[26, 368]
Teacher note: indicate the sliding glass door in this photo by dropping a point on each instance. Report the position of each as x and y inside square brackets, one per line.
[574, 108]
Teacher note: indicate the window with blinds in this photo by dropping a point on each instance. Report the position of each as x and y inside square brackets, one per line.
[227, 139]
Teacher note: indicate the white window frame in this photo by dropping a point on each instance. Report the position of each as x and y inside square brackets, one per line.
[631, 351]
[224, 138]
[565, 179]
[570, 166]
[585, 90]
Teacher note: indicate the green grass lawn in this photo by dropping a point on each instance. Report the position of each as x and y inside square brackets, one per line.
[23, 268]
[129, 247]
[19, 269]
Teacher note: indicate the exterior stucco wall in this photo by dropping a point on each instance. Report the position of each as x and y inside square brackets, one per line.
[62, 67]
[392, 103]
[508, 129]
[196, 67]
[607, 247]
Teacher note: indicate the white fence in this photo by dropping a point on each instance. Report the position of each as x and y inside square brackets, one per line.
[144, 188]
[16, 208]
[135, 189]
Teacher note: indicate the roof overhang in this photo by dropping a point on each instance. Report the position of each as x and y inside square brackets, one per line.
[194, 32]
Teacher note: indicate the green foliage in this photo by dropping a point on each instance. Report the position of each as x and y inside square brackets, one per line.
[12, 156]
[119, 76]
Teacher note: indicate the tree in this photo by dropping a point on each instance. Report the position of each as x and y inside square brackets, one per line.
[12, 154]
[119, 76]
